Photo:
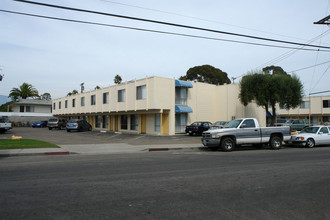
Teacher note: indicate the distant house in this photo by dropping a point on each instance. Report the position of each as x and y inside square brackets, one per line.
[32, 106]
[27, 111]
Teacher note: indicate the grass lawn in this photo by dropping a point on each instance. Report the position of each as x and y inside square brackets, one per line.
[25, 143]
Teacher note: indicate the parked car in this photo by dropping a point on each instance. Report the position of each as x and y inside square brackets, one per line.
[39, 124]
[218, 124]
[279, 122]
[5, 125]
[297, 124]
[198, 127]
[78, 125]
[311, 136]
[56, 123]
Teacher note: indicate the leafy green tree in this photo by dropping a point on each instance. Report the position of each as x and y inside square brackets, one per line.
[97, 87]
[24, 91]
[5, 107]
[46, 96]
[267, 90]
[72, 93]
[207, 74]
[117, 80]
[274, 70]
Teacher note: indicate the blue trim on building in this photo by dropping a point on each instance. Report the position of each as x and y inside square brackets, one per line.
[183, 109]
[180, 83]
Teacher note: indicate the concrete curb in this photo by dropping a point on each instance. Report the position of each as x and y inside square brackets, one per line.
[15, 153]
[171, 148]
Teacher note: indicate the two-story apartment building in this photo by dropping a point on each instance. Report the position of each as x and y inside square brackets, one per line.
[155, 105]
[315, 107]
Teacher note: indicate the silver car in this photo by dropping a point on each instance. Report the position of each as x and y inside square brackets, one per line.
[311, 136]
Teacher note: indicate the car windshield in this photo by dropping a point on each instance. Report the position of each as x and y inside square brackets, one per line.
[220, 123]
[196, 124]
[233, 124]
[73, 121]
[289, 121]
[40, 122]
[53, 120]
[311, 130]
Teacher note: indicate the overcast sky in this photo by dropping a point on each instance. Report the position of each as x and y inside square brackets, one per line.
[56, 56]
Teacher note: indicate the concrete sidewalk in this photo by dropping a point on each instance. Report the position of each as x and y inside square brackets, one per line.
[97, 149]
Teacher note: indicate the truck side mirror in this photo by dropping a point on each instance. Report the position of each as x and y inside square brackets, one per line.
[243, 125]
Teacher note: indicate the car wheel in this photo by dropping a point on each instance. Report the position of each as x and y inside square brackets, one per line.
[90, 128]
[227, 144]
[191, 134]
[310, 143]
[68, 130]
[49, 128]
[276, 142]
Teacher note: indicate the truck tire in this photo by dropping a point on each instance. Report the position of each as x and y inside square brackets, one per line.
[49, 128]
[275, 142]
[227, 144]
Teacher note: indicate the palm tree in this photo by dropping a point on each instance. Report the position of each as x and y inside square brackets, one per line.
[24, 91]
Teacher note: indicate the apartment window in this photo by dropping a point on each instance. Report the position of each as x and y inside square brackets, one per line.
[134, 122]
[29, 108]
[121, 95]
[141, 92]
[104, 121]
[157, 122]
[59, 105]
[326, 103]
[304, 104]
[181, 94]
[97, 121]
[93, 99]
[123, 122]
[54, 106]
[82, 101]
[21, 108]
[180, 122]
[73, 103]
[106, 98]
[66, 104]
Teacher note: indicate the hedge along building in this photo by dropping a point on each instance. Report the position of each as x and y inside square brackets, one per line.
[156, 105]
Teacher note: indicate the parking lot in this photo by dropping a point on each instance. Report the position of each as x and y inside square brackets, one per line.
[61, 137]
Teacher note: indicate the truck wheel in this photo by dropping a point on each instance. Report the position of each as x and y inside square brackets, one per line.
[275, 142]
[49, 128]
[310, 143]
[227, 144]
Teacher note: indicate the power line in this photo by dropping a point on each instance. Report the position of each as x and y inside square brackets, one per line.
[290, 53]
[309, 67]
[196, 18]
[156, 31]
[170, 24]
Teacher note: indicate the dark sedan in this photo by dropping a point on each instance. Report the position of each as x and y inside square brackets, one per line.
[78, 125]
[198, 127]
[39, 124]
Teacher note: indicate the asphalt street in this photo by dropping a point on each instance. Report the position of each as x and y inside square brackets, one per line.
[291, 183]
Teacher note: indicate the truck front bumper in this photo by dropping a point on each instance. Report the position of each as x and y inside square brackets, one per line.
[211, 142]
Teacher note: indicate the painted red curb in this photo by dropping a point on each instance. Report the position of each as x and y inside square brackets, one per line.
[56, 153]
[158, 149]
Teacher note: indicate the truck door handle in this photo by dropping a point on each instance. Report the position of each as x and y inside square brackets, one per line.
[255, 129]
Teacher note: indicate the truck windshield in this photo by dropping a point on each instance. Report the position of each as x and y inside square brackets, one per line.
[233, 124]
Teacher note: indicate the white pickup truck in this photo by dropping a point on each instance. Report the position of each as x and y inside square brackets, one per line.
[245, 131]
[5, 125]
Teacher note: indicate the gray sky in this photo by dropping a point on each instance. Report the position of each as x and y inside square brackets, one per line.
[56, 56]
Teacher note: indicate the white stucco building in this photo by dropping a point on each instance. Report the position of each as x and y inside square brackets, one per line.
[155, 105]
